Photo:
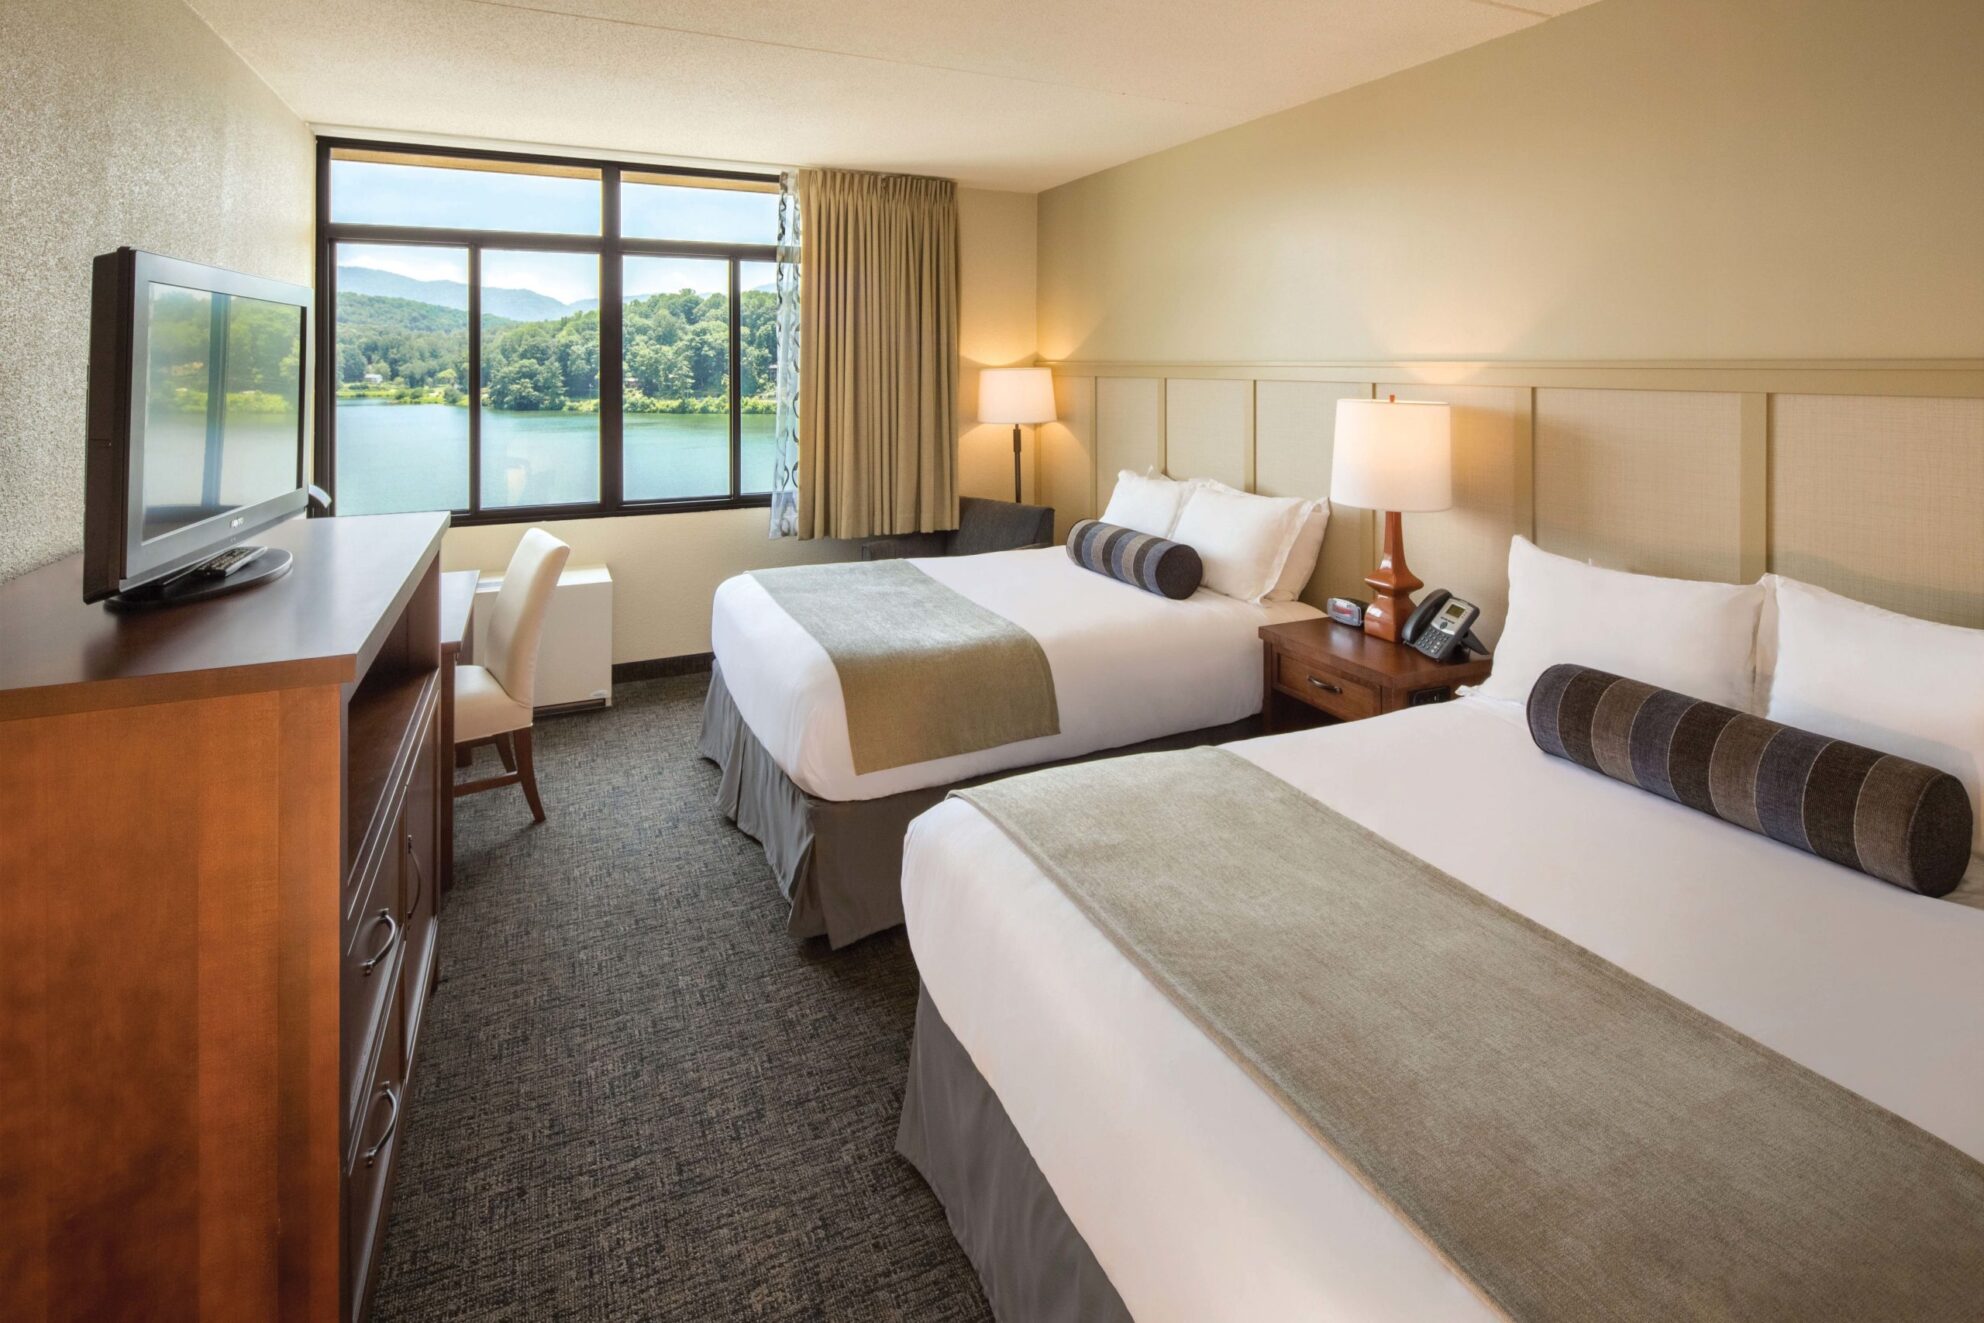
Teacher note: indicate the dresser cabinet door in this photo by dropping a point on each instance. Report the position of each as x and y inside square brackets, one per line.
[368, 1175]
[418, 844]
[374, 956]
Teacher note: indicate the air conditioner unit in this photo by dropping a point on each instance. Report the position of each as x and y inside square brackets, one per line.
[575, 655]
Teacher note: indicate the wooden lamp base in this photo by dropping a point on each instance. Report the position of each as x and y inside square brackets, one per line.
[1392, 585]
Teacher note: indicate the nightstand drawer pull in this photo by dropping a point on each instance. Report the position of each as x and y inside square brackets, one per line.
[1325, 686]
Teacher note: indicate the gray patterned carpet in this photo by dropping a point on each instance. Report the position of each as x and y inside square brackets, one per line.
[636, 1097]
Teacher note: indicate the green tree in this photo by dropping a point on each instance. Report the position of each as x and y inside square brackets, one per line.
[527, 384]
[678, 374]
[676, 347]
[707, 348]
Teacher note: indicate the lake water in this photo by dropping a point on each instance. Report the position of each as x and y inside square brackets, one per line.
[396, 457]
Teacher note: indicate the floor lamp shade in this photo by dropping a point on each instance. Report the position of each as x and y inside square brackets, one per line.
[1016, 395]
[1392, 457]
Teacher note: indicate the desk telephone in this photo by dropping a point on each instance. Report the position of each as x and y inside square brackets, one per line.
[1442, 626]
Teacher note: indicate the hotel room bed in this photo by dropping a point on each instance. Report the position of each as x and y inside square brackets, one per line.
[1131, 671]
[1099, 1154]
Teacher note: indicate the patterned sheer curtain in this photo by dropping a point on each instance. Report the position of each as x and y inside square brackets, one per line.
[785, 426]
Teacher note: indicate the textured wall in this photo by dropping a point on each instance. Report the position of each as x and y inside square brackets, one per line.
[121, 122]
[1640, 179]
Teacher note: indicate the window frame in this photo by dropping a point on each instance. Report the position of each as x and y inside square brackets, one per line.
[612, 248]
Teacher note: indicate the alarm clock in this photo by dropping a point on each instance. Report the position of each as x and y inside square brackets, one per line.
[1347, 611]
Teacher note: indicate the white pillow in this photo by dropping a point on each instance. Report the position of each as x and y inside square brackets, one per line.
[1148, 503]
[1884, 680]
[1302, 556]
[1242, 540]
[1694, 638]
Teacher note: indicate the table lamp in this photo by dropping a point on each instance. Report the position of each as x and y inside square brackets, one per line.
[1396, 458]
[1016, 395]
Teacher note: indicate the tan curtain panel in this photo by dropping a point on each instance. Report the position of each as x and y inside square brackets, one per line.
[878, 354]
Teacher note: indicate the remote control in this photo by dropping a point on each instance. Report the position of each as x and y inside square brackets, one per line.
[227, 562]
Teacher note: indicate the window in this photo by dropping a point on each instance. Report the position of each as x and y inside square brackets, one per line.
[516, 337]
[655, 206]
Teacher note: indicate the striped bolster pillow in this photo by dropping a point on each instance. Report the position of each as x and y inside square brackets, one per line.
[1154, 564]
[1888, 817]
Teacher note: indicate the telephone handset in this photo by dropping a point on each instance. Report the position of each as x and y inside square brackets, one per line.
[1442, 625]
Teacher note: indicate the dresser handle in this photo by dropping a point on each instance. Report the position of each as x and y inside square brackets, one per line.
[392, 1124]
[419, 877]
[1324, 685]
[392, 935]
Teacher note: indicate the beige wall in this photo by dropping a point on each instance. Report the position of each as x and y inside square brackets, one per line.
[665, 567]
[121, 122]
[996, 233]
[1640, 179]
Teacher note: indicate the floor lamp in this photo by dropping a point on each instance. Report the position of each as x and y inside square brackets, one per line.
[1018, 396]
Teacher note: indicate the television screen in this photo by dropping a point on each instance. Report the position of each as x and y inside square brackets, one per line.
[198, 419]
[223, 404]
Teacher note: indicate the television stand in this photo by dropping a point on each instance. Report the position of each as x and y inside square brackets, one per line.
[220, 849]
[198, 583]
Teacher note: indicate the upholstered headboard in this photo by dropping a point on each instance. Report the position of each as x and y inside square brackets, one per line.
[1864, 478]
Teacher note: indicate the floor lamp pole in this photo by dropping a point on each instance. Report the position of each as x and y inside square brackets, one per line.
[1016, 464]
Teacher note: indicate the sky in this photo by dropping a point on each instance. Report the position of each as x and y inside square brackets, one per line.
[378, 194]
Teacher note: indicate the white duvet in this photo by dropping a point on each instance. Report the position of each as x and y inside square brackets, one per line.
[1203, 1200]
[1128, 666]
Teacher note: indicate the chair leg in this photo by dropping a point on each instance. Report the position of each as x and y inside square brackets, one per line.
[464, 755]
[506, 752]
[527, 774]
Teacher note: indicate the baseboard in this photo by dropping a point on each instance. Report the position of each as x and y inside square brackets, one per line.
[566, 709]
[694, 663]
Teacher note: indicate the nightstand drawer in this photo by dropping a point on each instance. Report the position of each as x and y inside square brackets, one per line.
[1332, 693]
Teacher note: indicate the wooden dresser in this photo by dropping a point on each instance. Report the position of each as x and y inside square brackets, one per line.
[219, 851]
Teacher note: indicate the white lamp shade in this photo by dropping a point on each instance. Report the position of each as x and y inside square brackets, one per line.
[1393, 456]
[1016, 395]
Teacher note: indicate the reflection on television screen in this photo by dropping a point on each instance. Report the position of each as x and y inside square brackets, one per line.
[222, 409]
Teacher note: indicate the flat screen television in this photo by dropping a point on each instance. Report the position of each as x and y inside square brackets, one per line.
[199, 405]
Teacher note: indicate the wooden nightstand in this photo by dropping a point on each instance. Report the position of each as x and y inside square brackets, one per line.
[1347, 674]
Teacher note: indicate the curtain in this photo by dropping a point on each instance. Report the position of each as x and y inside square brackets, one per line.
[878, 354]
[785, 424]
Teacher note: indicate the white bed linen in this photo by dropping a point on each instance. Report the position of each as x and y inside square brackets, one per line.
[1202, 1199]
[1128, 666]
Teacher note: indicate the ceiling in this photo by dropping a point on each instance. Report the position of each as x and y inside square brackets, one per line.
[1013, 94]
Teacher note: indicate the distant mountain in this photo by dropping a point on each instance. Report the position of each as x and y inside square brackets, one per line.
[416, 315]
[523, 305]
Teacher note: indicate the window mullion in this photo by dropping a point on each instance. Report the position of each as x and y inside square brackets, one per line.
[475, 378]
[612, 344]
[735, 377]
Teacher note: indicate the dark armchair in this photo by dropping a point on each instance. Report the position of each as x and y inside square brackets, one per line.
[982, 526]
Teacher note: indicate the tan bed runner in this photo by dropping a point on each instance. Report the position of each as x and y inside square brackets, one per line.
[925, 672]
[1574, 1142]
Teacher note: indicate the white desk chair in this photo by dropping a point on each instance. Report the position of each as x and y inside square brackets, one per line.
[493, 703]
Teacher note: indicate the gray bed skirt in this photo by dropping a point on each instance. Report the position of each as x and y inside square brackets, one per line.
[839, 862]
[1033, 1263]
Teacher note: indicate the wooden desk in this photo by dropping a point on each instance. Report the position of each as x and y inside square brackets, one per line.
[457, 645]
